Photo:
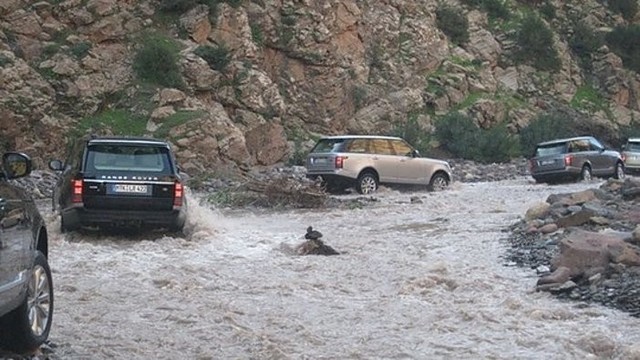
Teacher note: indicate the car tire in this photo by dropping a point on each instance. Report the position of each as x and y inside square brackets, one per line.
[65, 226]
[585, 173]
[438, 182]
[334, 187]
[620, 171]
[27, 327]
[367, 183]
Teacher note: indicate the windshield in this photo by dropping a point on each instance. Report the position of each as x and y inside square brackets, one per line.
[552, 149]
[633, 146]
[138, 158]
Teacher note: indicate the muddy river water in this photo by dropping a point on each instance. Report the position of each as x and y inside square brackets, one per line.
[420, 279]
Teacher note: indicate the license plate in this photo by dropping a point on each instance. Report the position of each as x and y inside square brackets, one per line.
[129, 189]
[546, 162]
[319, 161]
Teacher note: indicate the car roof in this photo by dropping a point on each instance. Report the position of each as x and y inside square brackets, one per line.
[127, 139]
[361, 137]
[558, 141]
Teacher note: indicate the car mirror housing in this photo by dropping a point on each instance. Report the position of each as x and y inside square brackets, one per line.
[415, 153]
[56, 165]
[16, 165]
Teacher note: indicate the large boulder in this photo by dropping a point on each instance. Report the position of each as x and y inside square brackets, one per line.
[582, 251]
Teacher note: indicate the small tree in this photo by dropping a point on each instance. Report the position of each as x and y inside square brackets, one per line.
[535, 45]
[217, 57]
[584, 42]
[627, 8]
[456, 132]
[157, 62]
[625, 42]
[544, 127]
[453, 23]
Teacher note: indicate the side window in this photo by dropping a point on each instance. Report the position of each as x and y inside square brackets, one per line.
[75, 154]
[382, 147]
[401, 147]
[580, 145]
[357, 146]
[595, 145]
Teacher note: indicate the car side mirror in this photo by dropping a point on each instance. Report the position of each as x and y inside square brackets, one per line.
[415, 153]
[56, 165]
[16, 165]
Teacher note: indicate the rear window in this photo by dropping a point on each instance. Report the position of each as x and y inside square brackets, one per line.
[633, 146]
[552, 149]
[328, 146]
[138, 158]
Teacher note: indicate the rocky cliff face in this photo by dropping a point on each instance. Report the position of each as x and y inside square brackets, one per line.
[296, 69]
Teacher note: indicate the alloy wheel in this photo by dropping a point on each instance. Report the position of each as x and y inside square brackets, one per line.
[39, 301]
[368, 185]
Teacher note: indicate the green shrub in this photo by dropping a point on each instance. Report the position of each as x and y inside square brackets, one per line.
[176, 6]
[459, 135]
[298, 156]
[453, 23]
[584, 42]
[456, 132]
[157, 62]
[496, 144]
[411, 131]
[627, 8]
[50, 50]
[496, 9]
[535, 45]
[544, 127]
[116, 121]
[218, 57]
[589, 99]
[256, 34]
[5, 61]
[629, 131]
[178, 118]
[625, 42]
[548, 10]
[80, 50]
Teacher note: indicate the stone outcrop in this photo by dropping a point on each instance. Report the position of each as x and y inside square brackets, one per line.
[296, 69]
[584, 244]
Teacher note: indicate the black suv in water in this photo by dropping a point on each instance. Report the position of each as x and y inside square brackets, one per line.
[119, 182]
[26, 288]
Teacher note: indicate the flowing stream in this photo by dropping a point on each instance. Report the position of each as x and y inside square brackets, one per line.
[420, 279]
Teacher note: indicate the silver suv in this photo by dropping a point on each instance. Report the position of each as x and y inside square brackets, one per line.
[631, 155]
[367, 161]
[577, 158]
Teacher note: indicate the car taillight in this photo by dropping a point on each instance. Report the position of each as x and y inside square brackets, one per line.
[339, 162]
[76, 194]
[178, 194]
[567, 160]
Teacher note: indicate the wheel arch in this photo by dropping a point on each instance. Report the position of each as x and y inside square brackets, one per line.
[442, 172]
[42, 243]
[369, 169]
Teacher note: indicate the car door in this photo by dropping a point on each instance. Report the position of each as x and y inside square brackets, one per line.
[601, 162]
[409, 169]
[15, 240]
[384, 160]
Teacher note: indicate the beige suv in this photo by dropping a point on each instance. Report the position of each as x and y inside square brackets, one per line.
[367, 161]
